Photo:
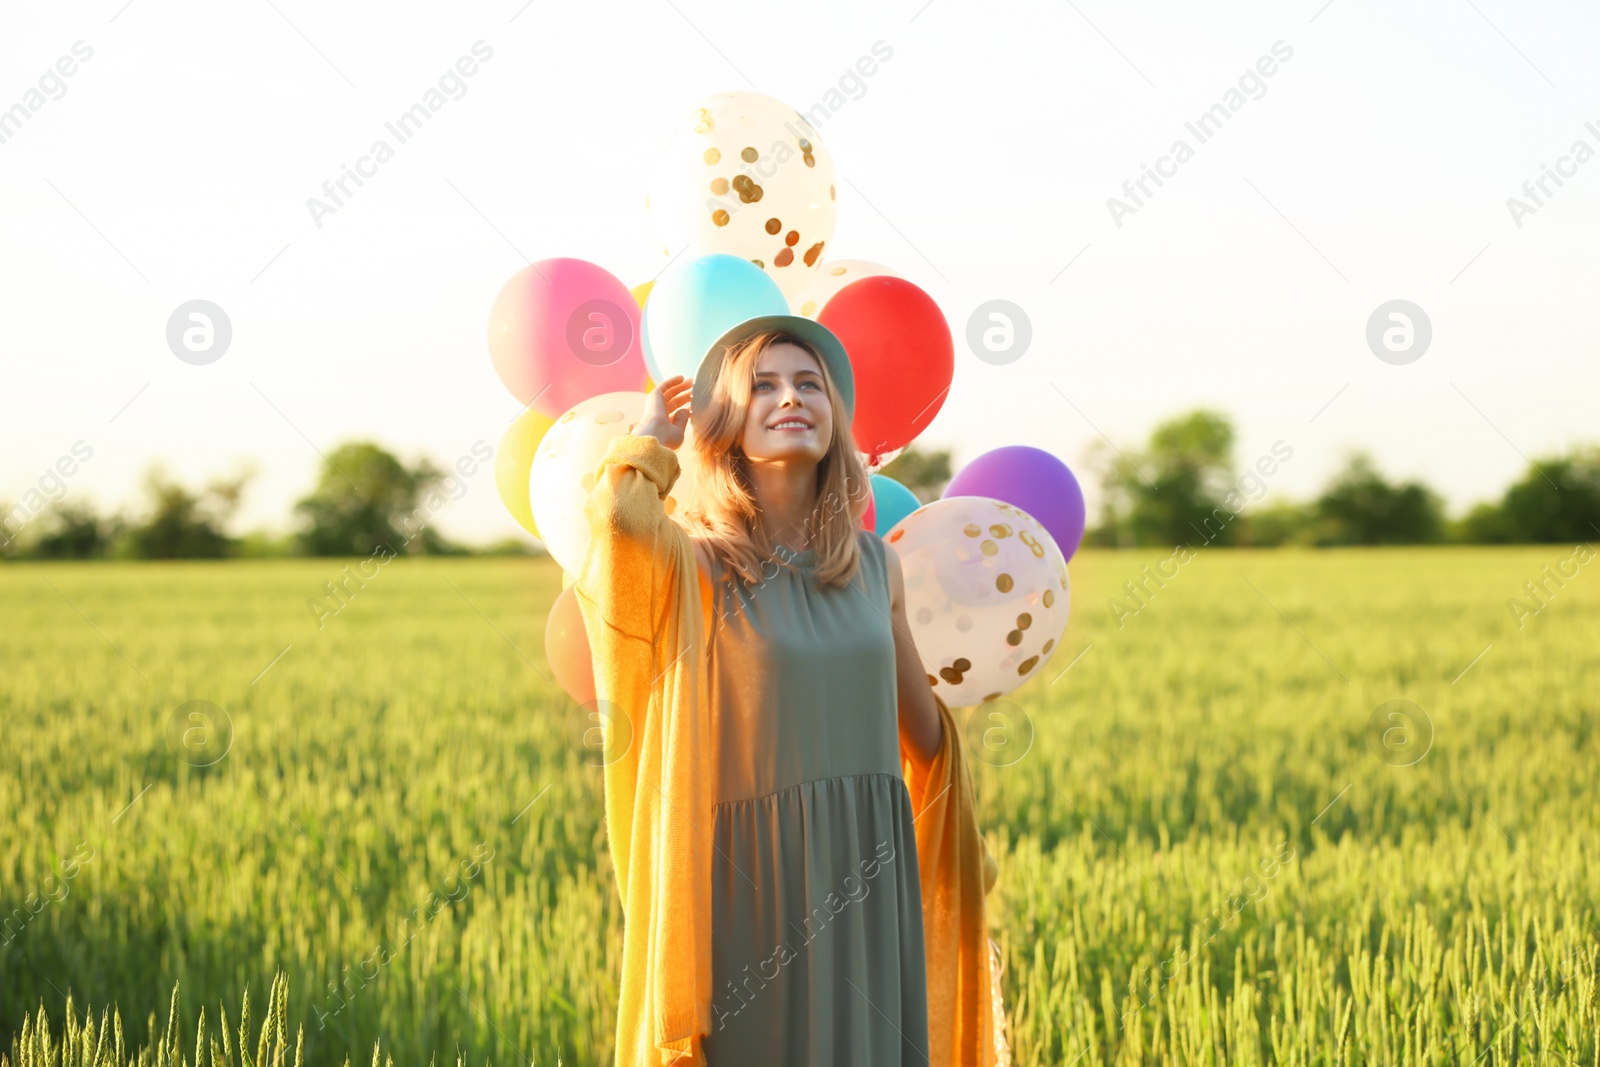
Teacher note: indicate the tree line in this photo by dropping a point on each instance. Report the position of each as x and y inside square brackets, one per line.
[365, 500]
[1186, 487]
[1183, 487]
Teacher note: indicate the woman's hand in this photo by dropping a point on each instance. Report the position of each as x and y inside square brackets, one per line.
[666, 411]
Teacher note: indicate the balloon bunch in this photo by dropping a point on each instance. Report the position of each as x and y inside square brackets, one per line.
[746, 188]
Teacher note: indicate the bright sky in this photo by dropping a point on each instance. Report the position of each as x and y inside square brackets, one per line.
[1374, 164]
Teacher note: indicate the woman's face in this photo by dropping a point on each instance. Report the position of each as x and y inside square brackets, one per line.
[788, 388]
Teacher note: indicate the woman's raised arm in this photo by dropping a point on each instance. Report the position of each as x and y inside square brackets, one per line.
[634, 546]
[620, 503]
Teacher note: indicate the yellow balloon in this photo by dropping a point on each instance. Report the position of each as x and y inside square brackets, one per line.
[641, 293]
[515, 459]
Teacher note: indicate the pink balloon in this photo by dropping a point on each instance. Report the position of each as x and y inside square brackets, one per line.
[562, 331]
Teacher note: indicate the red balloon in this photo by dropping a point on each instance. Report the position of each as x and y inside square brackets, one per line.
[566, 647]
[901, 354]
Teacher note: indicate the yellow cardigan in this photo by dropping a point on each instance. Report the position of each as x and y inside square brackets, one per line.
[647, 609]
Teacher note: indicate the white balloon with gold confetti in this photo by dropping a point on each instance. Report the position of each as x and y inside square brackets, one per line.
[834, 275]
[986, 595]
[564, 465]
[745, 174]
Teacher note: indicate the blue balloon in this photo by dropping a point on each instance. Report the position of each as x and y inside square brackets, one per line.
[893, 502]
[696, 301]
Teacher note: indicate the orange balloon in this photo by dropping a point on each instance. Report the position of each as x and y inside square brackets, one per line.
[566, 648]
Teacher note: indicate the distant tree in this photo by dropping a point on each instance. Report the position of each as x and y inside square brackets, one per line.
[1275, 524]
[366, 498]
[1557, 500]
[266, 544]
[74, 531]
[10, 544]
[1360, 507]
[924, 473]
[1173, 491]
[181, 524]
[1484, 524]
[510, 546]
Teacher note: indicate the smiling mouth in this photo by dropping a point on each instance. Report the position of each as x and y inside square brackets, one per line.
[790, 426]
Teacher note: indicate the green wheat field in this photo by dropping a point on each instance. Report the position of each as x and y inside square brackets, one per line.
[1220, 839]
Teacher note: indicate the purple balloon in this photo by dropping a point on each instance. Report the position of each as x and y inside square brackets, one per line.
[1033, 480]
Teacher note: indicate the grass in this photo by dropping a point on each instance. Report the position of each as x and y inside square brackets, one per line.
[1215, 848]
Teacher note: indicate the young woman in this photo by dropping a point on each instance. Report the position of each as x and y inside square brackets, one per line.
[760, 820]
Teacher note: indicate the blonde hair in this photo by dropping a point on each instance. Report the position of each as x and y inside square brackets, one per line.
[725, 515]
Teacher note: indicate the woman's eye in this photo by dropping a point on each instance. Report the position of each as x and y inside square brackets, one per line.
[809, 381]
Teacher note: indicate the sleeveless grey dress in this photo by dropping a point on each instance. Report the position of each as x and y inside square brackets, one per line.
[817, 948]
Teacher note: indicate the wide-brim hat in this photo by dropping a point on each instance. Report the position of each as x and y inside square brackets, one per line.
[810, 331]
